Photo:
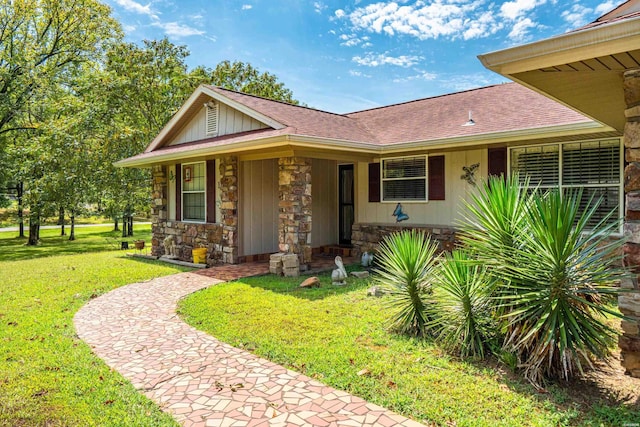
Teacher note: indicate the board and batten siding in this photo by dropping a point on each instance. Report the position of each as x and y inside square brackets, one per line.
[434, 212]
[258, 207]
[324, 207]
[230, 121]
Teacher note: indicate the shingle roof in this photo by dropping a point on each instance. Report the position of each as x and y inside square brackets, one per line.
[499, 108]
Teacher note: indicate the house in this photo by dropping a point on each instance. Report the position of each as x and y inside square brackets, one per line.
[596, 70]
[246, 176]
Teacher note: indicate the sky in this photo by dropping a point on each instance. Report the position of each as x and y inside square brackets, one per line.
[344, 56]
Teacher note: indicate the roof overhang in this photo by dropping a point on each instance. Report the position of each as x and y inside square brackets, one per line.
[582, 69]
[315, 147]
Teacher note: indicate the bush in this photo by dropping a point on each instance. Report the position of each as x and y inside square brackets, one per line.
[561, 284]
[463, 305]
[406, 266]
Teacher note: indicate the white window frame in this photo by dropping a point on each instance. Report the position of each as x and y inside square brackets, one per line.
[560, 185]
[426, 179]
[183, 192]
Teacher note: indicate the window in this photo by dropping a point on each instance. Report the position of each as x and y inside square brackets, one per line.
[212, 118]
[193, 192]
[593, 166]
[404, 179]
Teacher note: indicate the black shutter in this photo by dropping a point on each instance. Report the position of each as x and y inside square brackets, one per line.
[436, 177]
[211, 191]
[498, 161]
[374, 182]
[178, 175]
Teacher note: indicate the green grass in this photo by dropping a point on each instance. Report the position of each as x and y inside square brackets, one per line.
[333, 334]
[49, 377]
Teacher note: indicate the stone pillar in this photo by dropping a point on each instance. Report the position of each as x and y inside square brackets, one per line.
[294, 219]
[629, 302]
[229, 208]
[159, 208]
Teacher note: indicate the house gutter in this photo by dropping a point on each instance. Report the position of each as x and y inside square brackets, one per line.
[603, 40]
[304, 141]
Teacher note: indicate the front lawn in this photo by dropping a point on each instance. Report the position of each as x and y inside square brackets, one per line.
[337, 335]
[49, 377]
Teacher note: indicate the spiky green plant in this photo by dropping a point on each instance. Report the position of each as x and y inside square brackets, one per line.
[462, 296]
[406, 263]
[563, 277]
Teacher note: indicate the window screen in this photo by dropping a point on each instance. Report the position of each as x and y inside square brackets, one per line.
[404, 179]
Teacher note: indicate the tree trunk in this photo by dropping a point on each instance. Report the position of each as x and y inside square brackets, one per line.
[130, 231]
[61, 221]
[124, 225]
[20, 211]
[115, 224]
[34, 230]
[72, 233]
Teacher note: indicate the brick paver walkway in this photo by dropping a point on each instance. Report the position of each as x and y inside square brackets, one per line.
[202, 381]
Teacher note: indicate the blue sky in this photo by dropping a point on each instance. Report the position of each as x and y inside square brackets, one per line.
[344, 56]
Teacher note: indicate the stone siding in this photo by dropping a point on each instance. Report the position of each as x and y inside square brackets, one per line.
[229, 208]
[367, 237]
[629, 302]
[187, 235]
[294, 207]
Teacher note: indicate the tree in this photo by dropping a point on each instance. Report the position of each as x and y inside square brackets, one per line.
[243, 77]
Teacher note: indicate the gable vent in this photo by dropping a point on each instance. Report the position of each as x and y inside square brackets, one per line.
[212, 118]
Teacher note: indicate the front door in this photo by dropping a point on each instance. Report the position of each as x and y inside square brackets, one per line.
[346, 205]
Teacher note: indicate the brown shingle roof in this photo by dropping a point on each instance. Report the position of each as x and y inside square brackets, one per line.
[302, 120]
[500, 108]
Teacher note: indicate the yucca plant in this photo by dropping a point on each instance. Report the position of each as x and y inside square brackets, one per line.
[406, 263]
[495, 216]
[463, 305]
[561, 281]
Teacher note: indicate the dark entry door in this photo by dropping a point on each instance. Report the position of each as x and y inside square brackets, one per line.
[345, 203]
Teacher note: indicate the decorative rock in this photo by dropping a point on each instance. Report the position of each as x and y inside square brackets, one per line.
[311, 282]
[291, 272]
[360, 274]
[290, 261]
[375, 291]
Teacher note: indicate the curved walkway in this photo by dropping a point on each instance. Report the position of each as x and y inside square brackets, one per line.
[202, 381]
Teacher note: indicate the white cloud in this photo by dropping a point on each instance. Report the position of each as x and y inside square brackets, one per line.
[373, 60]
[128, 28]
[247, 7]
[350, 40]
[518, 8]
[462, 82]
[440, 18]
[605, 7]
[520, 30]
[178, 30]
[422, 75]
[319, 6]
[577, 16]
[135, 7]
[356, 73]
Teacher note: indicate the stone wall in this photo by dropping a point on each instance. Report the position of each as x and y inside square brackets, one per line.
[294, 207]
[187, 235]
[229, 208]
[629, 302]
[367, 237]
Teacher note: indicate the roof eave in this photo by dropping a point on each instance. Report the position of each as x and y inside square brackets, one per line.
[570, 47]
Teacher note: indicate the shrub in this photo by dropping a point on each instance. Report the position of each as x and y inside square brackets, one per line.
[406, 266]
[562, 279]
[462, 295]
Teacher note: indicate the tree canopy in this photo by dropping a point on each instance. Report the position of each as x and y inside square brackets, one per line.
[75, 97]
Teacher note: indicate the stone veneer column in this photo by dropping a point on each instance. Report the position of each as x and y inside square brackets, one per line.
[229, 208]
[158, 208]
[629, 302]
[294, 219]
